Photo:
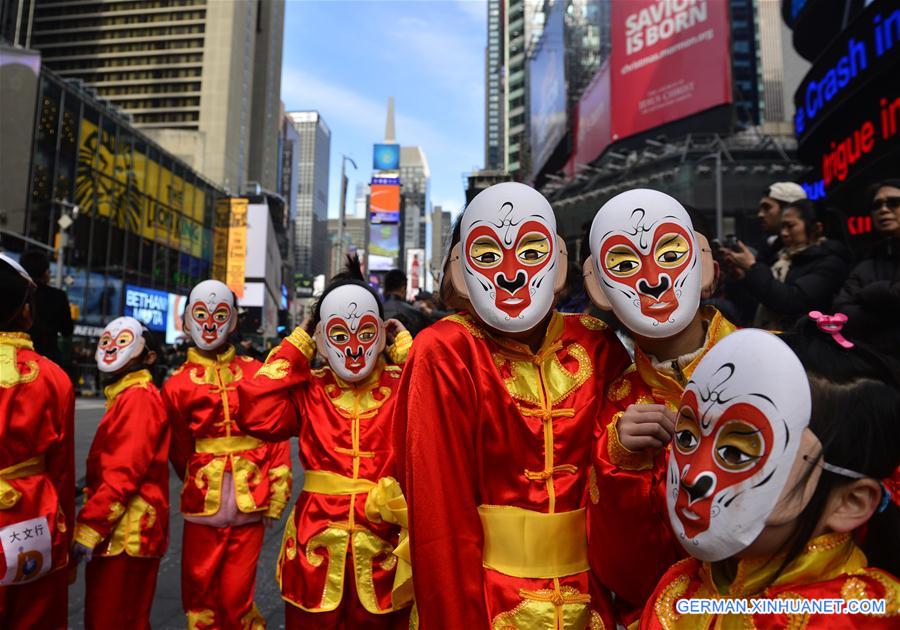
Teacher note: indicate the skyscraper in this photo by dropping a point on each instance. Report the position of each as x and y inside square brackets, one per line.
[414, 184]
[493, 101]
[188, 73]
[311, 225]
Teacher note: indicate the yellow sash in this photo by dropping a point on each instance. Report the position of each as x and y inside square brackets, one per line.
[226, 445]
[325, 482]
[527, 544]
[9, 496]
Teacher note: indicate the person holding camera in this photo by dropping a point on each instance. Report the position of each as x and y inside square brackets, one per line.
[808, 272]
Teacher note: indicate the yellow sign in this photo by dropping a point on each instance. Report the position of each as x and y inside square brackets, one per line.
[137, 193]
[230, 243]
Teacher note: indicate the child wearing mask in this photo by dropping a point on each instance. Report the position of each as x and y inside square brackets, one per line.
[773, 476]
[122, 530]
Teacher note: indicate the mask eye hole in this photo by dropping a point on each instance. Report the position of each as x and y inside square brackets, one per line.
[338, 335]
[221, 315]
[533, 248]
[739, 445]
[125, 337]
[105, 340]
[485, 252]
[200, 313]
[687, 431]
[672, 249]
[622, 261]
[367, 333]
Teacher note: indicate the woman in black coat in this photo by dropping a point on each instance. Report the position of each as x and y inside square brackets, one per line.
[871, 295]
[809, 271]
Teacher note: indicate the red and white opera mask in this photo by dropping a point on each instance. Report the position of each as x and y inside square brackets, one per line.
[210, 315]
[510, 257]
[648, 261]
[739, 428]
[350, 334]
[120, 342]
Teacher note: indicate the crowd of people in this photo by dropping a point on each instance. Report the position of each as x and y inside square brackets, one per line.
[513, 465]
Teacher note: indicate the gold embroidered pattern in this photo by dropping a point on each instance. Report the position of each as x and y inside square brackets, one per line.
[210, 477]
[891, 593]
[350, 401]
[333, 541]
[593, 490]
[619, 455]
[853, 588]
[523, 378]
[559, 607]
[253, 620]
[116, 510]
[399, 350]
[797, 621]
[466, 322]
[126, 536]
[301, 340]
[247, 476]
[288, 546]
[592, 323]
[206, 617]
[9, 370]
[367, 550]
[664, 607]
[621, 387]
[275, 370]
[279, 490]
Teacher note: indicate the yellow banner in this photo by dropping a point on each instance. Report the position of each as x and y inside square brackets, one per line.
[137, 193]
[237, 247]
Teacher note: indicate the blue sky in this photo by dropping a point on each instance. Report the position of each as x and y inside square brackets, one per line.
[344, 58]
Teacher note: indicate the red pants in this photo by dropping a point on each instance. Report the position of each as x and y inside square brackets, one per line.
[119, 592]
[349, 614]
[218, 575]
[42, 604]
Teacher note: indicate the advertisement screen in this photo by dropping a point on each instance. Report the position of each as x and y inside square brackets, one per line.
[592, 124]
[415, 272]
[174, 317]
[547, 70]
[148, 306]
[669, 60]
[384, 204]
[384, 246]
[386, 157]
[230, 243]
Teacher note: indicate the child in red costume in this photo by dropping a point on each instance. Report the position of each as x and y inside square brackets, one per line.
[122, 530]
[37, 468]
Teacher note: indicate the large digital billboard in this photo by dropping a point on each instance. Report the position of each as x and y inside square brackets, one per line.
[384, 246]
[593, 119]
[547, 96]
[386, 157]
[669, 60]
[384, 203]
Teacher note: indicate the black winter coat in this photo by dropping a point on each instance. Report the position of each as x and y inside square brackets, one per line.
[815, 276]
[871, 295]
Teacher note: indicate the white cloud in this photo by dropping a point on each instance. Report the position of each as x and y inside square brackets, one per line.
[476, 9]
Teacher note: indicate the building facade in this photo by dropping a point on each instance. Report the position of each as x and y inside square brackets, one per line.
[188, 73]
[415, 178]
[356, 241]
[311, 223]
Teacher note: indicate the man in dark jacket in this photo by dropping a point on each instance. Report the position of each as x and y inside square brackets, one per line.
[772, 204]
[52, 316]
[396, 306]
[871, 295]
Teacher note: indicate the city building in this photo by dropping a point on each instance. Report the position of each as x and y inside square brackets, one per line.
[141, 218]
[415, 178]
[356, 241]
[493, 93]
[441, 231]
[16, 19]
[201, 78]
[311, 223]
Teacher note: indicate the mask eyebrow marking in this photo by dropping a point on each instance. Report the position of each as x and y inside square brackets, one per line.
[674, 237]
[731, 500]
[766, 480]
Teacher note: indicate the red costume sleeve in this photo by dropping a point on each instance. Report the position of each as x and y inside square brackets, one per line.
[629, 525]
[280, 478]
[270, 399]
[182, 445]
[137, 426]
[61, 459]
[436, 410]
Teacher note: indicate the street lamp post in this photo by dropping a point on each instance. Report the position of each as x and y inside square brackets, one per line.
[343, 212]
[64, 222]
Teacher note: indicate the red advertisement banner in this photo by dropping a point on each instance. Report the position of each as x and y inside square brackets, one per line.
[593, 131]
[670, 59]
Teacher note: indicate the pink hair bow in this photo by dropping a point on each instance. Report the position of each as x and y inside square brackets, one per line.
[832, 324]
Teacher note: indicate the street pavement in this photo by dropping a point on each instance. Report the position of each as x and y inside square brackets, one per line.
[167, 612]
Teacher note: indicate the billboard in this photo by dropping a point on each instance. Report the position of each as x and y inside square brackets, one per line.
[384, 246]
[384, 203]
[230, 243]
[148, 306]
[669, 60]
[593, 120]
[386, 157]
[547, 96]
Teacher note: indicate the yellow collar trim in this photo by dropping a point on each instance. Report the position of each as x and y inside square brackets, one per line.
[132, 379]
[16, 340]
[668, 388]
[223, 358]
[520, 351]
[825, 558]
